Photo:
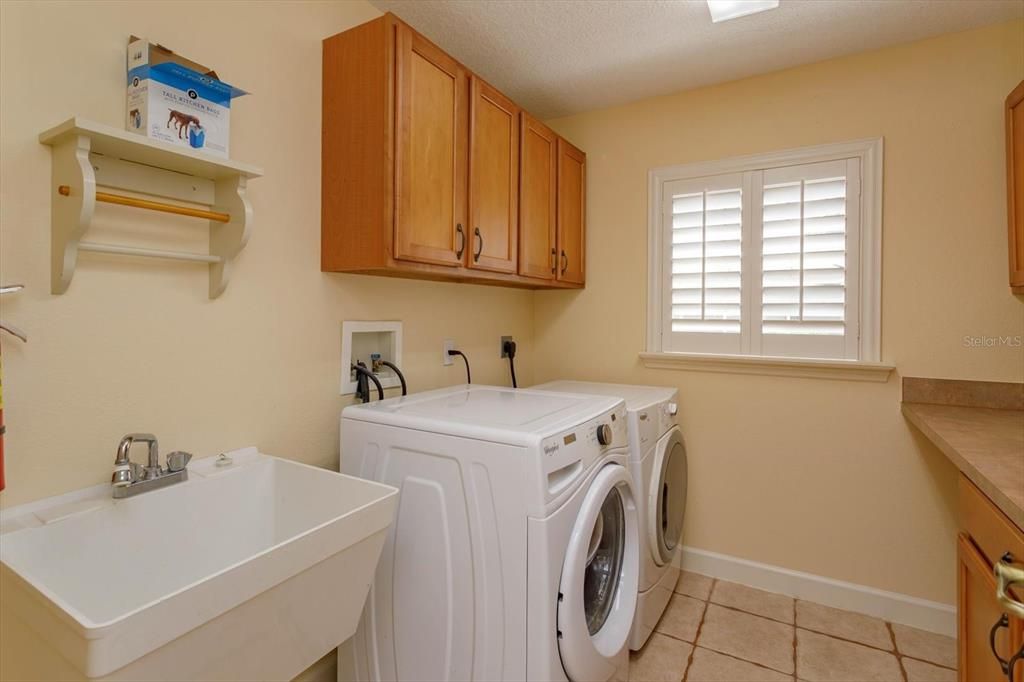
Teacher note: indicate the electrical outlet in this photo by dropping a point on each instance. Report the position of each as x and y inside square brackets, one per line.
[449, 344]
[503, 340]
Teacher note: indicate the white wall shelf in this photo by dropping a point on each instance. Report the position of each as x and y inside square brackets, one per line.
[88, 154]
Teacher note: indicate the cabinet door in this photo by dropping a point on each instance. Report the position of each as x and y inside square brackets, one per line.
[494, 179]
[572, 181]
[979, 616]
[537, 199]
[430, 164]
[1015, 185]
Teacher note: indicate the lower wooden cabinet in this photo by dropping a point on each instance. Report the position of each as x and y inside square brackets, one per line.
[1015, 185]
[430, 172]
[988, 634]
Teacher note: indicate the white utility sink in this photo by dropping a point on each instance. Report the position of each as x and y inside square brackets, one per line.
[252, 571]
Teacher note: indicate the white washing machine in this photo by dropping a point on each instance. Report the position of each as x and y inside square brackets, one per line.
[659, 468]
[514, 554]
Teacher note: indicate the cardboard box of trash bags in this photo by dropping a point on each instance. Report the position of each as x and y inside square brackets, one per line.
[176, 100]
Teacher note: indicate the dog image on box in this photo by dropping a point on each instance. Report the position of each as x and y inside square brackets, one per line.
[188, 128]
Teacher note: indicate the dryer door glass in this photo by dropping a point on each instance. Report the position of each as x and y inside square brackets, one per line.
[604, 561]
[669, 496]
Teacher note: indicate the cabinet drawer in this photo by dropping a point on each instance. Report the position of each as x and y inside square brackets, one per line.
[980, 638]
[988, 527]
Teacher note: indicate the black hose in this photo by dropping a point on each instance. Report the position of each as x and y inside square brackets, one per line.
[398, 373]
[469, 379]
[361, 369]
[510, 351]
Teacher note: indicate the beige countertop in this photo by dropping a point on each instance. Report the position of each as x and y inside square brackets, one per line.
[986, 444]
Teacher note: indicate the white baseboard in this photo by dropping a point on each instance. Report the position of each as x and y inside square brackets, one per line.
[891, 606]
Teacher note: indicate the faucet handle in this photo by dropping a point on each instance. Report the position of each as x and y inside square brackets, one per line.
[178, 460]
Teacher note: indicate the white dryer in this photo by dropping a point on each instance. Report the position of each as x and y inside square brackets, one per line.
[659, 468]
[514, 554]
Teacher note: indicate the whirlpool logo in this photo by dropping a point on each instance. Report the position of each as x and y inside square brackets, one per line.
[551, 449]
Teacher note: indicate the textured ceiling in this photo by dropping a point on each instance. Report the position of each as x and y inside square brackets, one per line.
[558, 57]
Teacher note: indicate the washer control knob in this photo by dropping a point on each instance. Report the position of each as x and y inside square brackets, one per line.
[604, 434]
[671, 409]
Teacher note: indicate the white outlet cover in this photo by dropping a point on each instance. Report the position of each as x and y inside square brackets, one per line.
[449, 344]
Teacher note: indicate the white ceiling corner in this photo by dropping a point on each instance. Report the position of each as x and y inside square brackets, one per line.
[559, 57]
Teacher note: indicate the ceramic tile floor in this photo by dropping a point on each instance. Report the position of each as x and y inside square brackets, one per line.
[716, 631]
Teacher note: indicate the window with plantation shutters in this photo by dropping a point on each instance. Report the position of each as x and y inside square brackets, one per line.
[767, 261]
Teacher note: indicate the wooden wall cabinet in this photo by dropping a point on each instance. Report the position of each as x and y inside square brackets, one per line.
[1015, 185]
[494, 179]
[553, 200]
[430, 152]
[572, 210]
[430, 172]
[986, 537]
[538, 201]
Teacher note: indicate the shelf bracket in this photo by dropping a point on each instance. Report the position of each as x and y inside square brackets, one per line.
[228, 239]
[70, 215]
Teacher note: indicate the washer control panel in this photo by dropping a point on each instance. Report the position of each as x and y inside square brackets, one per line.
[586, 442]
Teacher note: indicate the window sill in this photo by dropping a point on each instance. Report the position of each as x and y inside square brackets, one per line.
[846, 370]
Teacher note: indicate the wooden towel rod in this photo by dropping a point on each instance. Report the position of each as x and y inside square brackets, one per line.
[107, 198]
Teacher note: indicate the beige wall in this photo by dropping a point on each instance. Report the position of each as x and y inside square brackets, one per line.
[136, 345]
[817, 475]
[822, 476]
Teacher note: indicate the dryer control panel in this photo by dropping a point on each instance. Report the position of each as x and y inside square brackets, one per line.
[653, 421]
[571, 453]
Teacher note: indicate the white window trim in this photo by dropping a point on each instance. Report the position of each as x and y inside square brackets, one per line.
[870, 152]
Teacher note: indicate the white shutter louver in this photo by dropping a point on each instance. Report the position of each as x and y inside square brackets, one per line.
[804, 257]
[706, 260]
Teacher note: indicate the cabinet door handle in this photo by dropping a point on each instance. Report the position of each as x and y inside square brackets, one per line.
[554, 261]
[462, 241]
[1006, 666]
[480, 245]
[1003, 622]
[1012, 663]
[565, 262]
[1007, 575]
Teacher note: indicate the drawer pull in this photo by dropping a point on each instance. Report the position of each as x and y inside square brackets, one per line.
[1012, 663]
[1003, 622]
[1004, 665]
[1007, 575]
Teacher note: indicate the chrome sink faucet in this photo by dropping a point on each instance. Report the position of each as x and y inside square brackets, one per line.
[131, 478]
